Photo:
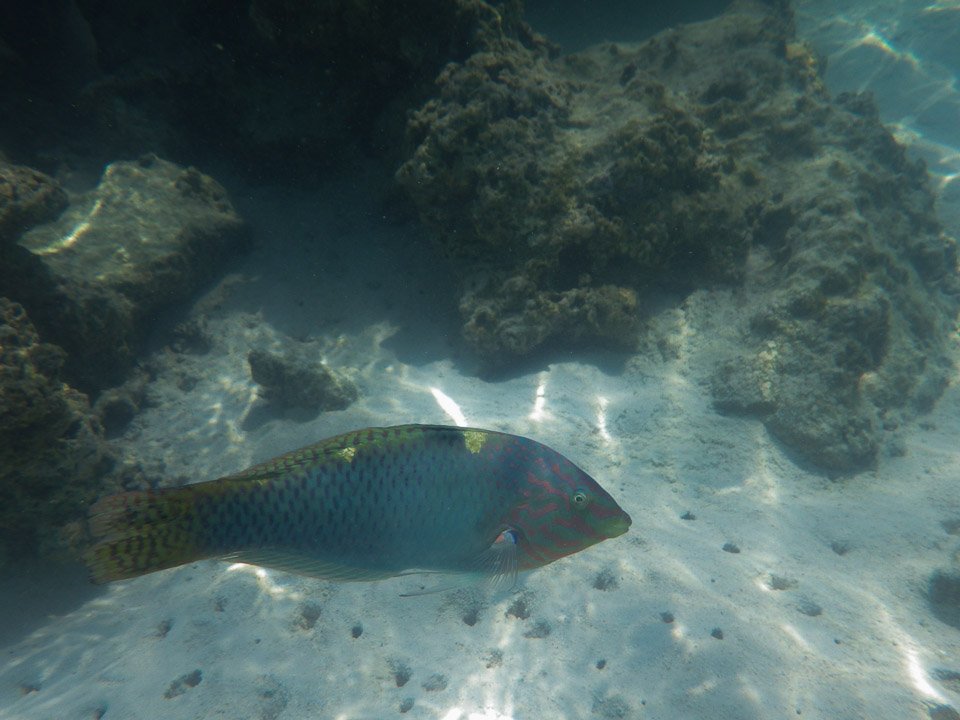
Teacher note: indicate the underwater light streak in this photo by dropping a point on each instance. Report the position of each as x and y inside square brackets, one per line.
[914, 669]
[264, 580]
[703, 688]
[762, 482]
[216, 409]
[602, 403]
[456, 713]
[942, 6]
[918, 676]
[795, 635]
[77, 232]
[944, 181]
[248, 404]
[875, 39]
[449, 406]
[540, 398]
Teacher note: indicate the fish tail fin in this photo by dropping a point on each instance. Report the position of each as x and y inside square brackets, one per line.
[142, 531]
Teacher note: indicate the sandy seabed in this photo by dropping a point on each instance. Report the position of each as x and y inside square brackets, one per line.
[746, 588]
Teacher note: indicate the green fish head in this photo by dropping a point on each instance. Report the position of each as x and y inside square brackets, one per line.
[561, 511]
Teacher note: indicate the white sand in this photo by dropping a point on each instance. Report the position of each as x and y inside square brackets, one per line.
[647, 434]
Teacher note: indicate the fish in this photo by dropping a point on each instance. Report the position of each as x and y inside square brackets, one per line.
[368, 505]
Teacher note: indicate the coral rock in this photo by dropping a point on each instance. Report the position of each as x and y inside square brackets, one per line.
[52, 458]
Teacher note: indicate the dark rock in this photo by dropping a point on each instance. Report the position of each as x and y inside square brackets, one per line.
[435, 683]
[540, 630]
[308, 615]
[947, 675]
[503, 324]
[294, 377]
[943, 594]
[840, 547]
[27, 197]
[183, 683]
[779, 582]
[401, 672]
[943, 712]
[52, 456]
[493, 659]
[94, 280]
[117, 407]
[192, 336]
[519, 608]
[605, 580]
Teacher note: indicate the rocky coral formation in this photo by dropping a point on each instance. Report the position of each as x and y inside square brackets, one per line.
[517, 319]
[567, 182]
[27, 197]
[93, 272]
[852, 281]
[710, 153]
[295, 378]
[146, 237]
[52, 458]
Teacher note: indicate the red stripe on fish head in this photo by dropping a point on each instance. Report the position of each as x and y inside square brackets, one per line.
[561, 510]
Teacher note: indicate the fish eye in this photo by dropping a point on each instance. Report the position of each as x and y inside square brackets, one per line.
[580, 499]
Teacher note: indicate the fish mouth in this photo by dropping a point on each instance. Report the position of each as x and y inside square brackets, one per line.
[618, 525]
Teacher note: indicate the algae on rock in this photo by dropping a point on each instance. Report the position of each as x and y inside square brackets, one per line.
[573, 190]
[145, 238]
[52, 455]
[580, 180]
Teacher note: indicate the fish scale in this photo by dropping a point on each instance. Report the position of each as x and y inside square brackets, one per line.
[368, 504]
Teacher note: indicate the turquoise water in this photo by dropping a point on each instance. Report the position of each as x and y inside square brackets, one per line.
[907, 54]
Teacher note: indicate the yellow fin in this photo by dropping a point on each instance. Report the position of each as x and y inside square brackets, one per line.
[140, 532]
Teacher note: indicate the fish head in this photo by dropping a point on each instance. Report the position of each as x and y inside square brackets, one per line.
[561, 510]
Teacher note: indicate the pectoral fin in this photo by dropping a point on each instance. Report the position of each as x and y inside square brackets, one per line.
[496, 565]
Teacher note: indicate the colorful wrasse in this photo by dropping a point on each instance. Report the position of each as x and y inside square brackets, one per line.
[366, 505]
